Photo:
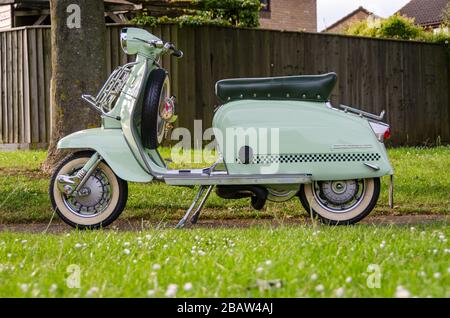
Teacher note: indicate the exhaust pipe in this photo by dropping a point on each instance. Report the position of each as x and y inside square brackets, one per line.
[257, 194]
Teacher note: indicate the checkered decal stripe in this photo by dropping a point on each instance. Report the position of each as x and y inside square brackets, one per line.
[318, 157]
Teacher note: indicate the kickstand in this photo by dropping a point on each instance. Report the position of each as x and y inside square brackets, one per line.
[194, 218]
[197, 211]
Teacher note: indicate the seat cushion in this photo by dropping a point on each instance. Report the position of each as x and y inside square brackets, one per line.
[304, 87]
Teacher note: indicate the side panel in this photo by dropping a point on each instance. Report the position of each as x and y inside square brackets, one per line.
[112, 146]
[289, 137]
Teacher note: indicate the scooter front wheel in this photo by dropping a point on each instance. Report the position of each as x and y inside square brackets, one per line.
[100, 201]
[340, 202]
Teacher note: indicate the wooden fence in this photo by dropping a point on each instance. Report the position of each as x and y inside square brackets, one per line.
[410, 80]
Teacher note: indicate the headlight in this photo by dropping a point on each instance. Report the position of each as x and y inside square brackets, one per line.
[123, 40]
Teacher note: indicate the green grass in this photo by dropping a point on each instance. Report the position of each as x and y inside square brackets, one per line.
[260, 261]
[255, 262]
[422, 186]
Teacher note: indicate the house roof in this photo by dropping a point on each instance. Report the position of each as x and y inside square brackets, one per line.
[348, 16]
[425, 12]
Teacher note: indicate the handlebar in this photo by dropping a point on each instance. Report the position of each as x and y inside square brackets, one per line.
[167, 47]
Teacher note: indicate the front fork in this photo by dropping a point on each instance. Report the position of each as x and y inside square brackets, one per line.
[71, 185]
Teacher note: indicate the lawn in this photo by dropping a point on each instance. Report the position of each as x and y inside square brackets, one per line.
[306, 260]
[422, 186]
[300, 261]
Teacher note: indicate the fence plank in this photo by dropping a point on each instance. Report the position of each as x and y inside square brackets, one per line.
[33, 78]
[26, 89]
[9, 68]
[20, 86]
[47, 79]
[41, 87]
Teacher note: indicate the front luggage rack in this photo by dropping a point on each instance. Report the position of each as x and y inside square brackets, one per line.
[104, 101]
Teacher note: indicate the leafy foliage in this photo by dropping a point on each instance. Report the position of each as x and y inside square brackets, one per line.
[396, 27]
[240, 13]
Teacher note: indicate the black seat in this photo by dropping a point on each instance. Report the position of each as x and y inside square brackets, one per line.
[304, 87]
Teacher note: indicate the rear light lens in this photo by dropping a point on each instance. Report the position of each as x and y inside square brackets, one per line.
[381, 130]
[387, 134]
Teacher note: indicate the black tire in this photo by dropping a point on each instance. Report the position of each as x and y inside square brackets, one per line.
[120, 201]
[257, 203]
[368, 206]
[150, 108]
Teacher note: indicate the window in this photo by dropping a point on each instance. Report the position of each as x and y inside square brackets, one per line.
[266, 4]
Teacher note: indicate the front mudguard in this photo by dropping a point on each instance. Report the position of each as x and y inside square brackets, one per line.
[112, 146]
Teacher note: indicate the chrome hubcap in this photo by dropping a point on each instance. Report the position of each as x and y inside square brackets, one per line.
[339, 196]
[93, 198]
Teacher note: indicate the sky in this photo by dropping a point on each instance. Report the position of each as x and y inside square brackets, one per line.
[329, 11]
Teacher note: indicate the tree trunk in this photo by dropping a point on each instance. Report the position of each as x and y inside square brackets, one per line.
[78, 67]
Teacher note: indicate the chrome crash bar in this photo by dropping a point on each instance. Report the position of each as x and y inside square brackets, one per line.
[363, 113]
[185, 178]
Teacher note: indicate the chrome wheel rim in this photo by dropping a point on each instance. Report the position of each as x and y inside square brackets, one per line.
[93, 198]
[339, 196]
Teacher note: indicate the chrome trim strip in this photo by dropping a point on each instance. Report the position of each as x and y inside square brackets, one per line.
[225, 179]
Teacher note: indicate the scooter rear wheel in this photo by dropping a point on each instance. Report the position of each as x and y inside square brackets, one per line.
[103, 200]
[340, 202]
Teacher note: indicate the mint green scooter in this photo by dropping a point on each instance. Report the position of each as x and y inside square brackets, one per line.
[277, 138]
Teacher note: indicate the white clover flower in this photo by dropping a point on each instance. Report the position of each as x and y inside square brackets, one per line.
[339, 292]
[53, 288]
[150, 293]
[148, 237]
[437, 275]
[126, 251]
[435, 251]
[24, 241]
[78, 245]
[348, 280]
[382, 244]
[165, 246]
[24, 287]
[422, 274]
[126, 244]
[412, 228]
[201, 253]
[134, 261]
[259, 270]
[401, 292]
[268, 262]
[320, 288]
[187, 286]
[171, 290]
[92, 291]
[156, 267]
[314, 277]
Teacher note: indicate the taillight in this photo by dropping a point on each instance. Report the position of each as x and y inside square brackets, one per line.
[381, 130]
[387, 133]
